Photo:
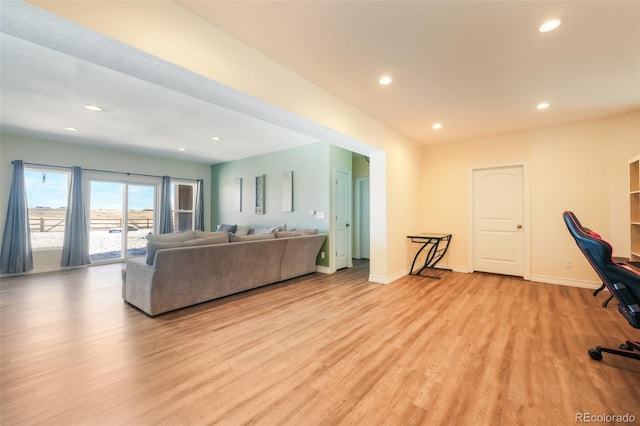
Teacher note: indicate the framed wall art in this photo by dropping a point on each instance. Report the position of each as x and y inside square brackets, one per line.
[287, 191]
[260, 194]
[237, 195]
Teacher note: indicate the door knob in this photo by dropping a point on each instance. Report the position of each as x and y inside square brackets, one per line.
[519, 226]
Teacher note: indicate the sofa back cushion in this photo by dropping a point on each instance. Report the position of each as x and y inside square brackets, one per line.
[239, 238]
[171, 238]
[205, 234]
[287, 234]
[224, 227]
[152, 247]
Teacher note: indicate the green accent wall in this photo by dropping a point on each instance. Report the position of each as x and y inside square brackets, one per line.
[310, 165]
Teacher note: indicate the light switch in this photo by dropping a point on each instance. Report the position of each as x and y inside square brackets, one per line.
[320, 215]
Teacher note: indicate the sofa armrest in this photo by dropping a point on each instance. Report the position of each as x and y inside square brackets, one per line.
[137, 288]
[300, 255]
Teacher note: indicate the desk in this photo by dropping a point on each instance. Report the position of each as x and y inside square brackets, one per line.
[437, 244]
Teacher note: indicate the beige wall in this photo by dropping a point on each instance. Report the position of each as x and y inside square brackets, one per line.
[580, 167]
[170, 32]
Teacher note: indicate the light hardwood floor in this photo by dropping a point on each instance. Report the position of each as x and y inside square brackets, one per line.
[470, 349]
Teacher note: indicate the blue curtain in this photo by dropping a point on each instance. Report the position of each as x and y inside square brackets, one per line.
[166, 219]
[199, 219]
[16, 255]
[75, 249]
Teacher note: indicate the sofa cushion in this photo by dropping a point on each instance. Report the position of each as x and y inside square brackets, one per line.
[221, 238]
[205, 234]
[239, 238]
[153, 247]
[287, 234]
[171, 238]
[227, 228]
[307, 231]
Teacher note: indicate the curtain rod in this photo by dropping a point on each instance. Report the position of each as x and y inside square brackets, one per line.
[103, 171]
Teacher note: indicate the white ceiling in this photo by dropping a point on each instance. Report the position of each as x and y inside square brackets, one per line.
[479, 68]
[52, 68]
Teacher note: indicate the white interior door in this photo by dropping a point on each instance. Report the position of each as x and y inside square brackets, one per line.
[498, 205]
[342, 233]
[365, 223]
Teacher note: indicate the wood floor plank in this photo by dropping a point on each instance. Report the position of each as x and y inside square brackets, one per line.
[469, 349]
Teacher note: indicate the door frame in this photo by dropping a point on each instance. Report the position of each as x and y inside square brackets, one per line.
[526, 215]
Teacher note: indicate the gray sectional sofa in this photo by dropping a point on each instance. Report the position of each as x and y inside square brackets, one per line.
[185, 273]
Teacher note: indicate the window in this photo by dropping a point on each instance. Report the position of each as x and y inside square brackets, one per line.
[47, 194]
[183, 198]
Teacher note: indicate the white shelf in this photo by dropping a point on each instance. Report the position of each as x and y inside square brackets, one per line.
[634, 206]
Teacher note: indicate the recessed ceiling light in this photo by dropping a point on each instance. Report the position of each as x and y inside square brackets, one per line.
[182, 149]
[216, 138]
[71, 129]
[384, 80]
[550, 25]
[543, 105]
[436, 126]
[93, 108]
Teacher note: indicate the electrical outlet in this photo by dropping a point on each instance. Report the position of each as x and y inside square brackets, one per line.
[568, 263]
[321, 255]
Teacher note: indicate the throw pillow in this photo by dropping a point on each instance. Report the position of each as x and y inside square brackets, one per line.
[239, 238]
[171, 238]
[227, 228]
[259, 230]
[242, 230]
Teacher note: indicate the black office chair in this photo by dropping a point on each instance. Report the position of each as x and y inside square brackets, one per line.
[623, 282]
[602, 287]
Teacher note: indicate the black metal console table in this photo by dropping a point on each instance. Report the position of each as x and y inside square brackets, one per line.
[437, 245]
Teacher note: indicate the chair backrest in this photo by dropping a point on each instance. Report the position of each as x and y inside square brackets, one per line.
[622, 281]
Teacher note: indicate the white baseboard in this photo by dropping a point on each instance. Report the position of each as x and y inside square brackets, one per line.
[457, 268]
[324, 269]
[43, 270]
[388, 279]
[547, 279]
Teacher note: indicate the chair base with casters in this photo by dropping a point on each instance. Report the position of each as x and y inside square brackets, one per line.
[629, 349]
[623, 281]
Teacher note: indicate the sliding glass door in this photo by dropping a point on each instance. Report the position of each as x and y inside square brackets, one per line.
[140, 215]
[121, 214]
[105, 221]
